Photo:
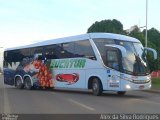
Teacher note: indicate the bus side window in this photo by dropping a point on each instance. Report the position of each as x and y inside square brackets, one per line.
[83, 48]
[37, 53]
[67, 50]
[49, 52]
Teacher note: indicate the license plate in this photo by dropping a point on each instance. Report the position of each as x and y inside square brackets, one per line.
[141, 87]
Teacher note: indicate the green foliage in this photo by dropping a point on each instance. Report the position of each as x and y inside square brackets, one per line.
[156, 83]
[110, 26]
[154, 36]
[153, 64]
[115, 26]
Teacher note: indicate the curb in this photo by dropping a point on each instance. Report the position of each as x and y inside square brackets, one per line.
[153, 90]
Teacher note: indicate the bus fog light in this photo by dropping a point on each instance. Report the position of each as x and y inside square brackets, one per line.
[128, 86]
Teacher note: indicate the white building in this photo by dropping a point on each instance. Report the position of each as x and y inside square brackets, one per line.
[132, 28]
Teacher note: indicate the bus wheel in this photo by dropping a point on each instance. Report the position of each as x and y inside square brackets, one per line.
[19, 83]
[96, 87]
[27, 83]
[121, 92]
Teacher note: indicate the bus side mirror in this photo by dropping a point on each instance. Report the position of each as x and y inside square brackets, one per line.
[152, 50]
[121, 48]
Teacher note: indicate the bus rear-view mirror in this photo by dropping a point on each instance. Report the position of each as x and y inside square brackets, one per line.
[151, 50]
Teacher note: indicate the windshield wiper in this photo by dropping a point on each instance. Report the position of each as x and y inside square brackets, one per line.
[137, 57]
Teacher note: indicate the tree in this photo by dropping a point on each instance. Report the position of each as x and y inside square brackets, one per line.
[154, 39]
[111, 26]
[153, 42]
[154, 36]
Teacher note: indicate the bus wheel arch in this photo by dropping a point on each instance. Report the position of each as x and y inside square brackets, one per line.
[95, 84]
[28, 82]
[18, 81]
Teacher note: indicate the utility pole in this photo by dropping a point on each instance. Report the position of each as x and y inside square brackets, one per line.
[146, 22]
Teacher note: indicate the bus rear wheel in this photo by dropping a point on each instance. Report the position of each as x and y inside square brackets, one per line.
[96, 87]
[18, 83]
[27, 83]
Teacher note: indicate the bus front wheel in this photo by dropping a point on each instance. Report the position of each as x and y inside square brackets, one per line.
[96, 87]
[27, 83]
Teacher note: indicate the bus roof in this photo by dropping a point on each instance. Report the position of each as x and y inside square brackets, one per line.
[76, 38]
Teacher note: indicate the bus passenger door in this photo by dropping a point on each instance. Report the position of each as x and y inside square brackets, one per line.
[113, 64]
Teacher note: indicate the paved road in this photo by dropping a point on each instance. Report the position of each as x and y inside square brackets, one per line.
[15, 101]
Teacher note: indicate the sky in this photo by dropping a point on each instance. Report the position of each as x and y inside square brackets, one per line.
[29, 21]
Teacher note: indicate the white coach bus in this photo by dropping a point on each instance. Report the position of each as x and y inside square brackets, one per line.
[97, 61]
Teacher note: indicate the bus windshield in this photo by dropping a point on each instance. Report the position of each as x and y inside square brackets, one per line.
[134, 63]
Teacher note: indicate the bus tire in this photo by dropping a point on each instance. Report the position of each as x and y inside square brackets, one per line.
[27, 83]
[18, 83]
[96, 87]
[121, 92]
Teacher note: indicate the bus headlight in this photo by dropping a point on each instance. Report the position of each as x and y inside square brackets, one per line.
[128, 86]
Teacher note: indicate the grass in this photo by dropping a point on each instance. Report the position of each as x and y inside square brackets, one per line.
[156, 83]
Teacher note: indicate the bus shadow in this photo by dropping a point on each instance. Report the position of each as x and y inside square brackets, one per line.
[89, 92]
[110, 94]
[127, 95]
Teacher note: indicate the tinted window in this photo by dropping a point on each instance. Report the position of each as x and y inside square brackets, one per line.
[37, 52]
[50, 52]
[67, 50]
[71, 50]
[13, 56]
[25, 52]
[57, 51]
[84, 49]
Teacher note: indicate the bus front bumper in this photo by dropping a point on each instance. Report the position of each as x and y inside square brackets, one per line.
[133, 86]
